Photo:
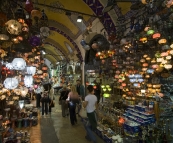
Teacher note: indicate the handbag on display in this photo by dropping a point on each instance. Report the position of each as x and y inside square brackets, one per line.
[83, 112]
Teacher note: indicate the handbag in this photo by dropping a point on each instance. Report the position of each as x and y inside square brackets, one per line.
[52, 103]
[83, 112]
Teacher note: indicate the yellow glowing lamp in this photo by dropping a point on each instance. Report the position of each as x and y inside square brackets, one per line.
[109, 89]
[104, 89]
[102, 86]
[107, 86]
[106, 95]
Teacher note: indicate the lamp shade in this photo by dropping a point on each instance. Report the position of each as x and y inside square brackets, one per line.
[17, 91]
[39, 72]
[28, 80]
[23, 91]
[9, 66]
[11, 83]
[3, 37]
[18, 64]
[31, 70]
[35, 41]
[44, 31]
[13, 27]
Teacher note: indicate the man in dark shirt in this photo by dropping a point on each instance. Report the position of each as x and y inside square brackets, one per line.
[62, 98]
[80, 89]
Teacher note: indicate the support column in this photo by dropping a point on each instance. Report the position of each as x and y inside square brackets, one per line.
[83, 73]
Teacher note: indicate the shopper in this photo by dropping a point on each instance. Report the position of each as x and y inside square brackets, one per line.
[62, 100]
[38, 91]
[97, 91]
[51, 98]
[90, 104]
[45, 102]
[73, 99]
[80, 89]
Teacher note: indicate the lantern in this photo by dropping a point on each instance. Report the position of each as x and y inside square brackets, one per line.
[132, 80]
[28, 6]
[11, 83]
[44, 31]
[44, 68]
[150, 32]
[168, 57]
[13, 27]
[143, 40]
[164, 54]
[36, 13]
[18, 64]
[148, 58]
[3, 37]
[31, 70]
[39, 72]
[28, 80]
[17, 91]
[162, 41]
[45, 74]
[35, 86]
[153, 61]
[168, 66]
[142, 60]
[150, 71]
[159, 60]
[147, 28]
[144, 69]
[156, 35]
[142, 90]
[9, 66]
[147, 76]
[145, 65]
[154, 66]
[140, 80]
[23, 91]
[123, 84]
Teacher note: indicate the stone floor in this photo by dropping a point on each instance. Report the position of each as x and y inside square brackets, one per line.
[57, 129]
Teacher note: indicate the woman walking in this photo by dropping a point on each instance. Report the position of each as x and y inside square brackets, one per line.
[90, 104]
[62, 100]
[73, 99]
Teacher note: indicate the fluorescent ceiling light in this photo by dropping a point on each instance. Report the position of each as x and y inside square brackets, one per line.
[79, 19]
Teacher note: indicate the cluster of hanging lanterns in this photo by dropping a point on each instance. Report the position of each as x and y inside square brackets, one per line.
[24, 65]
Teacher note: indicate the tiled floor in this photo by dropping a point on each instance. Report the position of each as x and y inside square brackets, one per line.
[63, 129]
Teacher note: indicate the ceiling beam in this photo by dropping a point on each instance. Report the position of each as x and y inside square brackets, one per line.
[65, 10]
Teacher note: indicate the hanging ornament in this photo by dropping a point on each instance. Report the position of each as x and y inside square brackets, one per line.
[13, 27]
[23, 91]
[35, 41]
[28, 80]
[18, 64]
[28, 6]
[10, 83]
[31, 70]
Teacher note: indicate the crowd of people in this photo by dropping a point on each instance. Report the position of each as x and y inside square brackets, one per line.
[71, 100]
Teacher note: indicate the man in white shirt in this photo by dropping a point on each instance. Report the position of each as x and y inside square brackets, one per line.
[38, 91]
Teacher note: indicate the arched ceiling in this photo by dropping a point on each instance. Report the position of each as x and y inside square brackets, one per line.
[65, 29]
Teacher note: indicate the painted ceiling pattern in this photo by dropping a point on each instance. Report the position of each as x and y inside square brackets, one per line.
[66, 26]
